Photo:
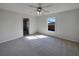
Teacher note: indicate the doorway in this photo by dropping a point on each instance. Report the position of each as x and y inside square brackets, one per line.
[25, 26]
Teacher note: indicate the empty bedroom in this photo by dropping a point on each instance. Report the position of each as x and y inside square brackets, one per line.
[39, 29]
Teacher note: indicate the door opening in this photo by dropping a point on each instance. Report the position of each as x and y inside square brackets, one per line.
[25, 26]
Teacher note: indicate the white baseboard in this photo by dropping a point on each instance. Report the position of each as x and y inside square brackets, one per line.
[10, 39]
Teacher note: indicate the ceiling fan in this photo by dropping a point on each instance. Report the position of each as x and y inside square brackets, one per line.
[40, 8]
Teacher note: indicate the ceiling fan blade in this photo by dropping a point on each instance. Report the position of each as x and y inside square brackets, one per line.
[45, 10]
[47, 6]
[32, 6]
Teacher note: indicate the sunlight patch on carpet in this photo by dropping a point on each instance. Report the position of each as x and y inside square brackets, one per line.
[36, 37]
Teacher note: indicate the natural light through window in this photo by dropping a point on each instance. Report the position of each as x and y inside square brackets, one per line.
[51, 23]
[51, 19]
[41, 36]
[35, 37]
[31, 37]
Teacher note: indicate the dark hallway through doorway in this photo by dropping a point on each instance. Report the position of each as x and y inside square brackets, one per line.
[25, 26]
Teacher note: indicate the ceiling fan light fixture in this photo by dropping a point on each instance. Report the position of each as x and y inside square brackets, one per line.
[39, 13]
[39, 10]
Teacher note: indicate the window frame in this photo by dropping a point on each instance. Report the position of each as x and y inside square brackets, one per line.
[54, 25]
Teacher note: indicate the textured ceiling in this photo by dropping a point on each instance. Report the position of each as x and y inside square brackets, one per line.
[23, 7]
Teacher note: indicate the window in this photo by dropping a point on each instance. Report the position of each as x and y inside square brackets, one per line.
[51, 23]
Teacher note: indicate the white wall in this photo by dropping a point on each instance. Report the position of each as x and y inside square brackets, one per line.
[67, 25]
[11, 25]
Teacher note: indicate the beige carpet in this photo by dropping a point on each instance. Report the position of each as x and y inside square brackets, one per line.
[39, 45]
